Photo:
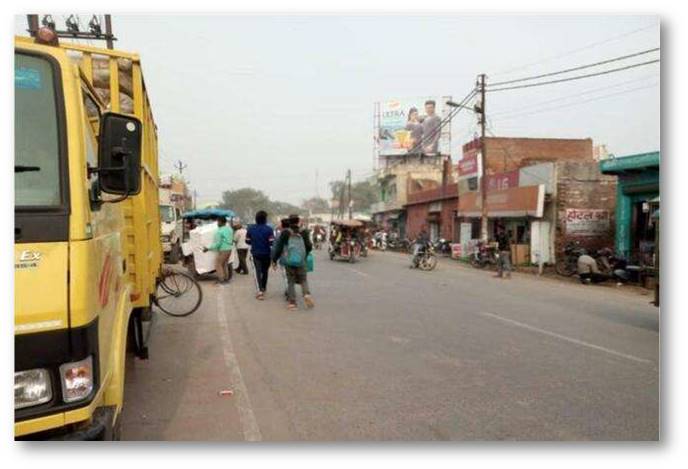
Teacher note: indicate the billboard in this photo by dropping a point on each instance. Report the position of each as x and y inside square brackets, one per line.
[413, 126]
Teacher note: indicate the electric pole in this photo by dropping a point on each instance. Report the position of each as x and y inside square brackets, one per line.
[179, 166]
[483, 161]
[348, 177]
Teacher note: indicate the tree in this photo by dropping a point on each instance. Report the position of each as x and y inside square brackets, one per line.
[245, 202]
[363, 194]
[316, 205]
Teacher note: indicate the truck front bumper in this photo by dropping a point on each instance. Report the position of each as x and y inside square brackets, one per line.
[99, 428]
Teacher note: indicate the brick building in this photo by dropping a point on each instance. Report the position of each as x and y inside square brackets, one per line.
[544, 191]
[435, 210]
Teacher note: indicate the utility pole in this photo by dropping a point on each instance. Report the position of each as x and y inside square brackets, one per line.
[195, 197]
[348, 177]
[483, 161]
[179, 166]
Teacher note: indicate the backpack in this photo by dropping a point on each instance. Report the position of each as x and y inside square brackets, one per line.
[296, 251]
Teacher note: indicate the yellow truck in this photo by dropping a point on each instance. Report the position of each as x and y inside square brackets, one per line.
[87, 248]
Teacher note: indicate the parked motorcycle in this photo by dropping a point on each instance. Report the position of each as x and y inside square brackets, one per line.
[484, 255]
[567, 264]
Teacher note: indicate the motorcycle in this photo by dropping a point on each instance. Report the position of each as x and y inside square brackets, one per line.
[484, 255]
[567, 265]
[424, 259]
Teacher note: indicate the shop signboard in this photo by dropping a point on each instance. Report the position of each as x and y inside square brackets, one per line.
[502, 181]
[413, 126]
[587, 222]
[512, 202]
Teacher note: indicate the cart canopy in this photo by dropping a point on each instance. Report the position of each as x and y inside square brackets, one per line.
[208, 213]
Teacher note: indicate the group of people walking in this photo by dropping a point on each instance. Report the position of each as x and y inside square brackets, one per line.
[286, 248]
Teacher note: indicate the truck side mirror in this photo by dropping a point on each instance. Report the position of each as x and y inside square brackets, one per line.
[119, 154]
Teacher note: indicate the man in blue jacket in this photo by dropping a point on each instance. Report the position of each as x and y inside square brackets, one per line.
[260, 237]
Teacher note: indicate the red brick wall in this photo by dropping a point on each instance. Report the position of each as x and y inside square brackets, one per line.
[417, 218]
[581, 185]
[506, 154]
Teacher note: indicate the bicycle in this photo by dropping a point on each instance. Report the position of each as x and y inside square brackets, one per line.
[177, 294]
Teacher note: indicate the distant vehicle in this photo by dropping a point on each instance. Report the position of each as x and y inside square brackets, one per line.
[171, 228]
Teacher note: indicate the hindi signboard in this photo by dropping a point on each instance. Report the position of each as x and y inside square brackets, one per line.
[587, 222]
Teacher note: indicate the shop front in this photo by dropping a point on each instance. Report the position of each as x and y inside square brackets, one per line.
[637, 199]
[519, 210]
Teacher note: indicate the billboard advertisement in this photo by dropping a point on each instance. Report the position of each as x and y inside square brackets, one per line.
[413, 126]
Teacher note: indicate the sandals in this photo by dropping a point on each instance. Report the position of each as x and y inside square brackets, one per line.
[291, 306]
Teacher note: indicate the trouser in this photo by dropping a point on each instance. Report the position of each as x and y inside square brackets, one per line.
[594, 277]
[221, 268]
[504, 263]
[262, 264]
[296, 275]
[243, 268]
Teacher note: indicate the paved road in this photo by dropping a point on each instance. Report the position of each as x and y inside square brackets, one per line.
[391, 353]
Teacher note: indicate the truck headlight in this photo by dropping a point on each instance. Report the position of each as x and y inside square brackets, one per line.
[32, 387]
[77, 379]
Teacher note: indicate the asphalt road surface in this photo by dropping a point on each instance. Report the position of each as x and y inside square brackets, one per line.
[390, 353]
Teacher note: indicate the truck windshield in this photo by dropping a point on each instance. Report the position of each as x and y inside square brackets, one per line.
[166, 213]
[36, 140]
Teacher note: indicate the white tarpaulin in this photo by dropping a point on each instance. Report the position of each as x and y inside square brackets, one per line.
[198, 239]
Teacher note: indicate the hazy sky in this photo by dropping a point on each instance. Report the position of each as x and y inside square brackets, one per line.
[268, 101]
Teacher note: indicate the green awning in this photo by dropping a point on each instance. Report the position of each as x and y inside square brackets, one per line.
[637, 162]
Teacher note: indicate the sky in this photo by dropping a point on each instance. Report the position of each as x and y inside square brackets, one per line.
[284, 104]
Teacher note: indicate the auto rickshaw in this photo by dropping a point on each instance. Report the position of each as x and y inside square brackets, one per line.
[346, 237]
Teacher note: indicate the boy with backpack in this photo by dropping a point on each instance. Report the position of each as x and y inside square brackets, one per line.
[292, 248]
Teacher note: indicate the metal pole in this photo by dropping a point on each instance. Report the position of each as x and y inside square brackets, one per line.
[348, 175]
[108, 31]
[483, 161]
[32, 21]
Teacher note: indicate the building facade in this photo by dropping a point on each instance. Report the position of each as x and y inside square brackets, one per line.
[637, 199]
[545, 192]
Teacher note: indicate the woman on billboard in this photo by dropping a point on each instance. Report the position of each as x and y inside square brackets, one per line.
[415, 129]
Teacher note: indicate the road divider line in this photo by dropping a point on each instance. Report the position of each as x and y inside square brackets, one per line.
[566, 338]
[247, 418]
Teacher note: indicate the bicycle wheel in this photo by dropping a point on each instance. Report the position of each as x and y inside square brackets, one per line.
[565, 268]
[178, 294]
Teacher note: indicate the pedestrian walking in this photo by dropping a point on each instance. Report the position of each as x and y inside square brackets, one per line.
[291, 250]
[260, 237]
[222, 244]
[504, 247]
[241, 247]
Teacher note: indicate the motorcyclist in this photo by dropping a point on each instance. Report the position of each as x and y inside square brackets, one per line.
[420, 245]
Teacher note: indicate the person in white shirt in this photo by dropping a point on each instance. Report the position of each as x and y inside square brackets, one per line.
[241, 247]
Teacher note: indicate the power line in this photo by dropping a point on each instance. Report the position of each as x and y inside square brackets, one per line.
[577, 77]
[538, 111]
[581, 67]
[564, 54]
[569, 96]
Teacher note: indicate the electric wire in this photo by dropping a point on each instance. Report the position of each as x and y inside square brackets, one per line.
[569, 96]
[580, 67]
[565, 54]
[553, 108]
[577, 77]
